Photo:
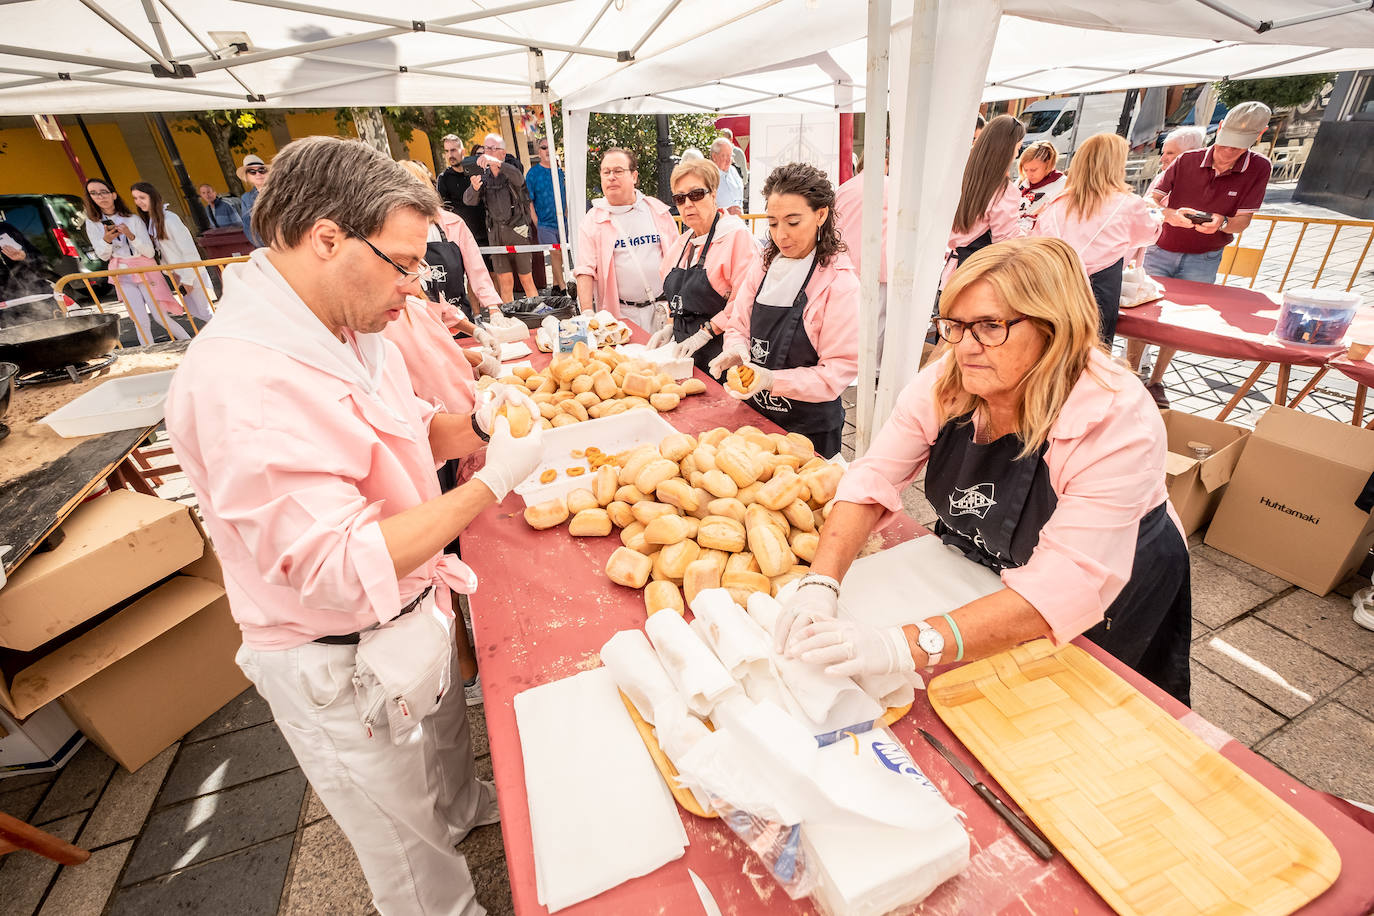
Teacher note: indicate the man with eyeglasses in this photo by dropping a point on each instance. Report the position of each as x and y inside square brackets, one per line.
[621, 245]
[314, 465]
[539, 182]
[254, 172]
[499, 186]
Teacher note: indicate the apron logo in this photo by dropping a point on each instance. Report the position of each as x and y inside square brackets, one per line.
[438, 273]
[766, 400]
[758, 351]
[976, 500]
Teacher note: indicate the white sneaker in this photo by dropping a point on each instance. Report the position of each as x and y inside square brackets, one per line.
[488, 812]
[1363, 600]
[473, 691]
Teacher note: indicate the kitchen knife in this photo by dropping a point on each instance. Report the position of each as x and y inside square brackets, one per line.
[708, 902]
[1028, 834]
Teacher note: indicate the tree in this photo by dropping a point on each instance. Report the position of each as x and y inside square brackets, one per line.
[637, 132]
[433, 122]
[229, 131]
[1277, 92]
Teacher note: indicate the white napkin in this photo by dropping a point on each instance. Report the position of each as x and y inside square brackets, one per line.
[741, 645]
[515, 350]
[700, 677]
[600, 813]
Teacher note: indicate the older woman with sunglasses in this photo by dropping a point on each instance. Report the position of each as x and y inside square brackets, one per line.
[1044, 460]
[705, 268]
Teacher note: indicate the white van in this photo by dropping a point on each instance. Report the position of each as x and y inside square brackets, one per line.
[1054, 119]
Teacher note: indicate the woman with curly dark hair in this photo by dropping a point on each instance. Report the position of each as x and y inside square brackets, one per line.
[792, 333]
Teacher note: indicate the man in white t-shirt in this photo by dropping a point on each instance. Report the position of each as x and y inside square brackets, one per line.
[621, 245]
[730, 194]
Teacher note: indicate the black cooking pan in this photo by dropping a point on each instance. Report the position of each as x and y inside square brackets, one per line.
[29, 312]
[59, 342]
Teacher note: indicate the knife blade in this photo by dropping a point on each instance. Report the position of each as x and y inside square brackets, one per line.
[708, 902]
[1027, 832]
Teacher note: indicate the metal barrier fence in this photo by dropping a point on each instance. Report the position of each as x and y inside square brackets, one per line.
[1240, 261]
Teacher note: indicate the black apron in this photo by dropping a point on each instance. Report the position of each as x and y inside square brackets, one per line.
[962, 253]
[1106, 284]
[693, 301]
[992, 507]
[449, 283]
[778, 340]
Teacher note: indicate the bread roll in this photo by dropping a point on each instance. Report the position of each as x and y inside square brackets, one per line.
[588, 399]
[784, 489]
[758, 515]
[581, 352]
[799, 515]
[703, 497]
[662, 596]
[635, 462]
[673, 388]
[701, 573]
[664, 402]
[546, 384]
[590, 523]
[647, 510]
[667, 529]
[705, 457]
[605, 485]
[566, 369]
[672, 561]
[677, 492]
[797, 445]
[638, 385]
[604, 386]
[620, 513]
[748, 494]
[719, 483]
[822, 483]
[677, 446]
[728, 507]
[518, 416]
[758, 437]
[804, 544]
[582, 383]
[738, 463]
[574, 409]
[721, 533]
[796, 572]
[741, 562]
[580, 499]
[771, 550]
[547, 514]
[741, 584]
[522, 372]
[548, 410]
[712, 437]
[653, 473]
[693, 386]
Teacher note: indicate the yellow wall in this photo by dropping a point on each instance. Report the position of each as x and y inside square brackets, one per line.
[316, 124]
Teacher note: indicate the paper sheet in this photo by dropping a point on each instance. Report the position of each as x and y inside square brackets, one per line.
[912, 581]
[694, 669]
[600, 813]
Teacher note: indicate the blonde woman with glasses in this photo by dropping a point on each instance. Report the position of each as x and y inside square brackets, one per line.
[1102, 220]
[1045, 462]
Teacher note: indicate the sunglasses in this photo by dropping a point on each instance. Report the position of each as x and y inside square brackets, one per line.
[424, 273]
[256, 170]
[693, 195]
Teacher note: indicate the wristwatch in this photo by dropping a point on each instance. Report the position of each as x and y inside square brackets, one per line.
[478, 430]
[931, 642]
[1225, 221]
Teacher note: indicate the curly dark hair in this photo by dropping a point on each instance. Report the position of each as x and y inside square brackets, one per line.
[810, 183]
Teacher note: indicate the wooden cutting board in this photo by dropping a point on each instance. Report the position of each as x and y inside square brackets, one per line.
[1152, 818]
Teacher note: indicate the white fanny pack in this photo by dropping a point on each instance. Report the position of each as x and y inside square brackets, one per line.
[404, 667]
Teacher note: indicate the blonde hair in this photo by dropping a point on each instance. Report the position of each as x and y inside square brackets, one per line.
[1039, 151]
[1043, 279]
[704, 169]
[418, 169]
[985, 172]
[1098, 172]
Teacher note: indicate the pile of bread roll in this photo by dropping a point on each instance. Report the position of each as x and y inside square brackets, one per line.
[737, 510]
[586, 385]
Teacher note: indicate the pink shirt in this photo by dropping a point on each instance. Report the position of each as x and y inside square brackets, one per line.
[1122, 224]
[1002, 217]
[439, 372]
[849, 216]
[831, 320]
[295, 463]
[1106, 464]
[457, 232]
[596, 248]
[733, 254]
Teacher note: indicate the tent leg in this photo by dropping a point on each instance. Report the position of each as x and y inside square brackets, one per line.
[872, 241]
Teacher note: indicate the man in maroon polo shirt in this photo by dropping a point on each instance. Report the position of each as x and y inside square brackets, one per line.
[1211, 195]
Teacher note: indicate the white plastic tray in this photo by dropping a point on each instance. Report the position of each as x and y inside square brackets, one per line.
[610, 434]
[120, 403]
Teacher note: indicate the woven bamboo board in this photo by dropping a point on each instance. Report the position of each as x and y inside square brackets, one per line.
[1149, 815]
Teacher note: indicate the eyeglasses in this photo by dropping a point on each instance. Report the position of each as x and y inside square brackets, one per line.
[990, 332]
[693, 195]
[614, 173]
[256, 170]
[102, 194]
[424, 273]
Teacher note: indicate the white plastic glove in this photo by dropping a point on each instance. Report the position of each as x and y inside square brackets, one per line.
[510, 460]
[730, 356]
[493, 397]
[486, 339]
[811, 601]
[691, 345]
[661, 337]
[490, 365]
[660, 315]
[763, 381]
[848, 648]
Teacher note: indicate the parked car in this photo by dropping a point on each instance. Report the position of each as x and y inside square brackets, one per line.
[1053, 119]
[55, 225]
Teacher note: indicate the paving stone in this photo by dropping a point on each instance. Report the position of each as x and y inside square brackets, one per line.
[1328, 749]
[313, 809]
[213, 825]
[227, 760]
[1219, 595]
[243, 711]
[1359, 695]
[78, 785]
[1265, 580]
[123, 808]
[327, 879]
[483, 846]
[84, 890]
[27, 780]
[482, 768]
[492, 883]
[24, 877]
[23, 802]
[1325, 623]
[246, 883]
[1284, 673]
[917, 506]
[1227, 706]
[477, 729]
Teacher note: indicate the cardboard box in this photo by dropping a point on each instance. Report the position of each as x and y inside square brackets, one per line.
[1196, 487]
[115, 546]
[42, 742]
[1290, 507]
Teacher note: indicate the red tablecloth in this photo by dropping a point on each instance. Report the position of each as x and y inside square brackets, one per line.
[545, 607]
[1361, 370]
[1226, 321]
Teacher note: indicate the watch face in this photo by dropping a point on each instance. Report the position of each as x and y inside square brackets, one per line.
[931, 641]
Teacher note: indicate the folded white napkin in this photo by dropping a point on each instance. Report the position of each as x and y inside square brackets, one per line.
[700, 677]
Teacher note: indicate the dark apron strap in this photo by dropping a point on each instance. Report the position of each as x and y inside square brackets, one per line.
[1106, 285]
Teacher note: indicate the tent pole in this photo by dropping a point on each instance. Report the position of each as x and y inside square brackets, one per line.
[665, 159]
[875, 163]
[559, 216]
[188, 190]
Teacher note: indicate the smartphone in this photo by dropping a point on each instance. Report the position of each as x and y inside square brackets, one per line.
[107, 223]
[1200, 218]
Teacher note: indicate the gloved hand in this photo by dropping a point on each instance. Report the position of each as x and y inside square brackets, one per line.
[763, 381]
[730, 356]
[490, 365]
[662, 336]
[491, 399]
[486, 339]
[510, 460]
[848, 648]
[691, 345]
[660, 315]
[812, 601]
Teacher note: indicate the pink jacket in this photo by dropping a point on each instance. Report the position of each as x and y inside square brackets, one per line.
[831, 320]
[439, 372]
[1123, 224]
[1003, 217]
[459, 234]
[295, 463]
[849, 215]
[596, 248]
[1106, 462]
[734, 253]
